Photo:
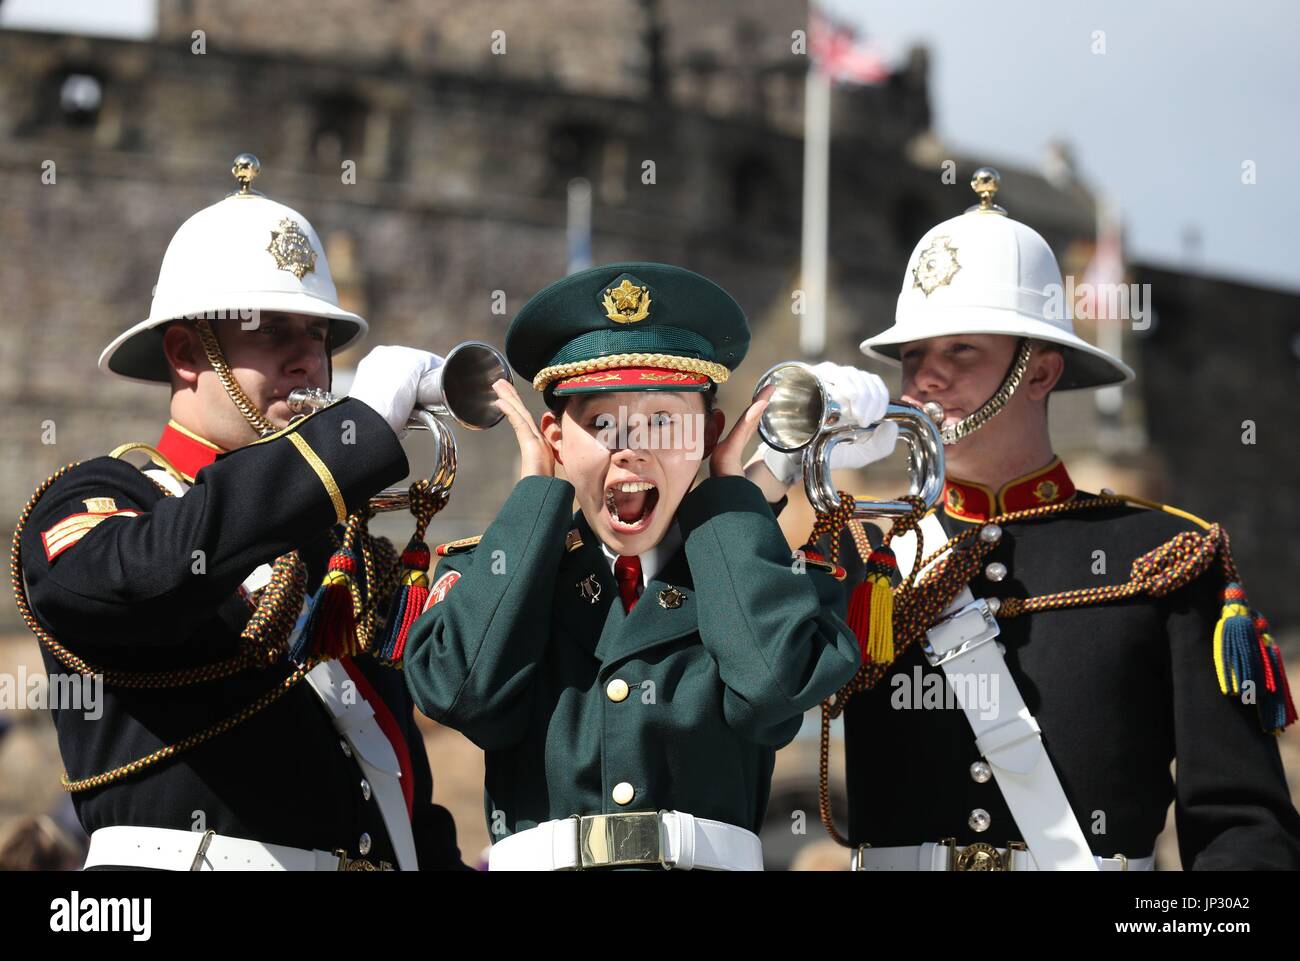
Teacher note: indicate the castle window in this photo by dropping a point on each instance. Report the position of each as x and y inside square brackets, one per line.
[757, 195]
[339, 132]
[80, 97]
[573, 150]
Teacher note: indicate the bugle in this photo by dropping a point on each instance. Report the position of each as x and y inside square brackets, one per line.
[461, 391]
[801, 415]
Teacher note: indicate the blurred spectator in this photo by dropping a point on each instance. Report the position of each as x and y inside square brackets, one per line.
[38, 844]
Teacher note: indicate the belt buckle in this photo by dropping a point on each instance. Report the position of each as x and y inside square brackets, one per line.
[614, 840]
[855, 862]
[979, 857]
[358, 864]
[197, 863]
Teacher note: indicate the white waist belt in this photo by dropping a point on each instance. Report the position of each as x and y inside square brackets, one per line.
[672, 839]
[948, 857]
[168, 849]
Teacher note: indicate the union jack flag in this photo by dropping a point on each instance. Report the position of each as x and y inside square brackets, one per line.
[840, 53]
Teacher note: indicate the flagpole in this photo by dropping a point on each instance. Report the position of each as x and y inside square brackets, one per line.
[578, 227]
[1110, 336]
[816, 190]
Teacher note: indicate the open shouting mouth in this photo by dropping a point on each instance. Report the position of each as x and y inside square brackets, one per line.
[631, 505]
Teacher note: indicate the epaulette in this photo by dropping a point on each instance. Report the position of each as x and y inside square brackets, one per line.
[459, 546]
[1246, 657]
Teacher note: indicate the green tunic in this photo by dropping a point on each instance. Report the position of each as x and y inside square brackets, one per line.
[526, 666]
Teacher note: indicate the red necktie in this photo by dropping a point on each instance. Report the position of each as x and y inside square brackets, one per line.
[627, 571]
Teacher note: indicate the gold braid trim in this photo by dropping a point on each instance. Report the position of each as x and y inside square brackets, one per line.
[323, 474]
[690, 365]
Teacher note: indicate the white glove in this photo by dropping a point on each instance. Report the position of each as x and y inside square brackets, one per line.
[863, 398]
[389, 381]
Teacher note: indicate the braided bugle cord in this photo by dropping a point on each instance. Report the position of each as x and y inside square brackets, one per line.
[262, 644]
[917, 604]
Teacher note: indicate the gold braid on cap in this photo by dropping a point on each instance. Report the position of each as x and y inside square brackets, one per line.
[218, 361]
[689, 365]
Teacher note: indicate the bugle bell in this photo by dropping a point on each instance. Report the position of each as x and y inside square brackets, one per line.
[461, 391]
[801, 415]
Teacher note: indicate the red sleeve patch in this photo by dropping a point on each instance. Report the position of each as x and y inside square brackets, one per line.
[439, 590]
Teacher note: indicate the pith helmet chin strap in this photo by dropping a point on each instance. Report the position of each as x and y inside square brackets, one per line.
[993, 406]
[255, 418]
[217, 360]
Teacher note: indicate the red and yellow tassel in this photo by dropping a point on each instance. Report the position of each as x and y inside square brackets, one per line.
[330, 631]
[408, 602]
[871, 608]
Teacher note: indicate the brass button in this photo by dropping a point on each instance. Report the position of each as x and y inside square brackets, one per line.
[996, 571]
[363, 845]
[616, 690]
[622, 793]
[979, 820]
[980, 772]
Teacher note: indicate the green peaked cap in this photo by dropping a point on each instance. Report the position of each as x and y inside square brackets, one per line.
[583, 333]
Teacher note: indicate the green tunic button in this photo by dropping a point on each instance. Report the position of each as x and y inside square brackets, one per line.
[616, 690]
[622, 793]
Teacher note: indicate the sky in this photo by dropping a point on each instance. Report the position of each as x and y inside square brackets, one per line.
[134, 19]
[1161, 123]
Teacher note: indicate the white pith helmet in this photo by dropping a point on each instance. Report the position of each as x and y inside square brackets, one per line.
[984, 273]
[242, 254]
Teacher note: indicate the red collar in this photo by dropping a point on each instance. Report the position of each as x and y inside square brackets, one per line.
[975, 502]
[188, 452]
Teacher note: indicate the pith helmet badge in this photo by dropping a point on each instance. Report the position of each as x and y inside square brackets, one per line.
[291, 248]
[935, 266]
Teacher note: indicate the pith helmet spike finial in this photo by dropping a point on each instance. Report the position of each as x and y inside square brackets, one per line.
[985, 183]
[245, 169]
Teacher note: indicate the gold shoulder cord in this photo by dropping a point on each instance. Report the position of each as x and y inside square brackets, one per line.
[1172, 565]
[264, 642]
